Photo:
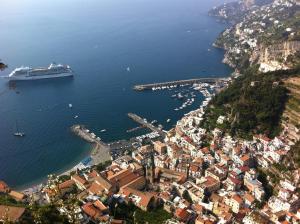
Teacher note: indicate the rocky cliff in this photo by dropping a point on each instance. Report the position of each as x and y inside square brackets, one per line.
[280, 56]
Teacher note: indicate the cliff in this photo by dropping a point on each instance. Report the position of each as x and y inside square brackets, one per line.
[280, 56]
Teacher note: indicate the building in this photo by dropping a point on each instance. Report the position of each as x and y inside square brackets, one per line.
[159, 147]
[236, 203]
[80, 181]
[144, 200]
[256, 218]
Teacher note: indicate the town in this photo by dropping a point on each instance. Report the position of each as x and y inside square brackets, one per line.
[181, 176]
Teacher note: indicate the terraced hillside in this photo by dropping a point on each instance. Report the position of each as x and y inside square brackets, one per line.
[291, 115]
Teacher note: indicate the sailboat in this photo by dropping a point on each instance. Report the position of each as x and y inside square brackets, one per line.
[18, 133]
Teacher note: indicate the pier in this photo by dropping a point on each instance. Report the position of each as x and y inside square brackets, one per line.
[146, 124]
[178, 82]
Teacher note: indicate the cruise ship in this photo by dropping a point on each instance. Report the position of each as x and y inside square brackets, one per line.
[52, 71]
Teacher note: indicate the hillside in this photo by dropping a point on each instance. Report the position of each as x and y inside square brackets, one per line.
[264, 48]
[268, 35]
[254, 103]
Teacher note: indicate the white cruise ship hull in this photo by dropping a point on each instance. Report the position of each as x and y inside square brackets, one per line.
[36, 77]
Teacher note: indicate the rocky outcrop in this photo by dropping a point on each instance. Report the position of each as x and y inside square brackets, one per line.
[276, 56]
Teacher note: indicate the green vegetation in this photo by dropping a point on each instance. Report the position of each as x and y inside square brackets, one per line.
[253, 104]
[102, 166]
[45, 214]
[295, 151]
[132, 214]
[187, 197]
[292, 160]
[9, 201]
[153, 217]
[263, 178]
[64, 178]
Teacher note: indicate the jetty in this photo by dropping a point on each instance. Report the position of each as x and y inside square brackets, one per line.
[101, 150]
[144, 123]
[177, 83]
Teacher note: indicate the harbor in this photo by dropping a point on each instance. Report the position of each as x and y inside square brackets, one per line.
[176, 83]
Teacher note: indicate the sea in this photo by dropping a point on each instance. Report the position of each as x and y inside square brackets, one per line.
[111, 45]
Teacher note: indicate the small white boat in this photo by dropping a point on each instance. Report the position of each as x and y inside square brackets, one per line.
[168, 120]
[19, 134]
[154, 121]
[76, 116]
[128, 69]
[103, 130]
[70, 105]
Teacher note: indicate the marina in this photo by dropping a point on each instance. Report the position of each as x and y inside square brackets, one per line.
[176, 83]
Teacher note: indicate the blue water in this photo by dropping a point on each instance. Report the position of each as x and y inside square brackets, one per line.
[158, 40]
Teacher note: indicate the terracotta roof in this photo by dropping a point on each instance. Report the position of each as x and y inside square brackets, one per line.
[116, 221]
[93, 174]
[245, 158]
[244, 168]
[145, 200]
[11, 212]
[237, 198]
[249, 197]
[210, 181]
[91, 211]
[95, 189]
[198, 208]
[17, 195]
[159, 143]
[205, 150]
[165, 195]
[194, 168]
[234, 180]
[123, 177]
[109, 173]
[66, 184]
[79, 179]
[145, 197]
[103, 182]
[182, 214]
[98, 204]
